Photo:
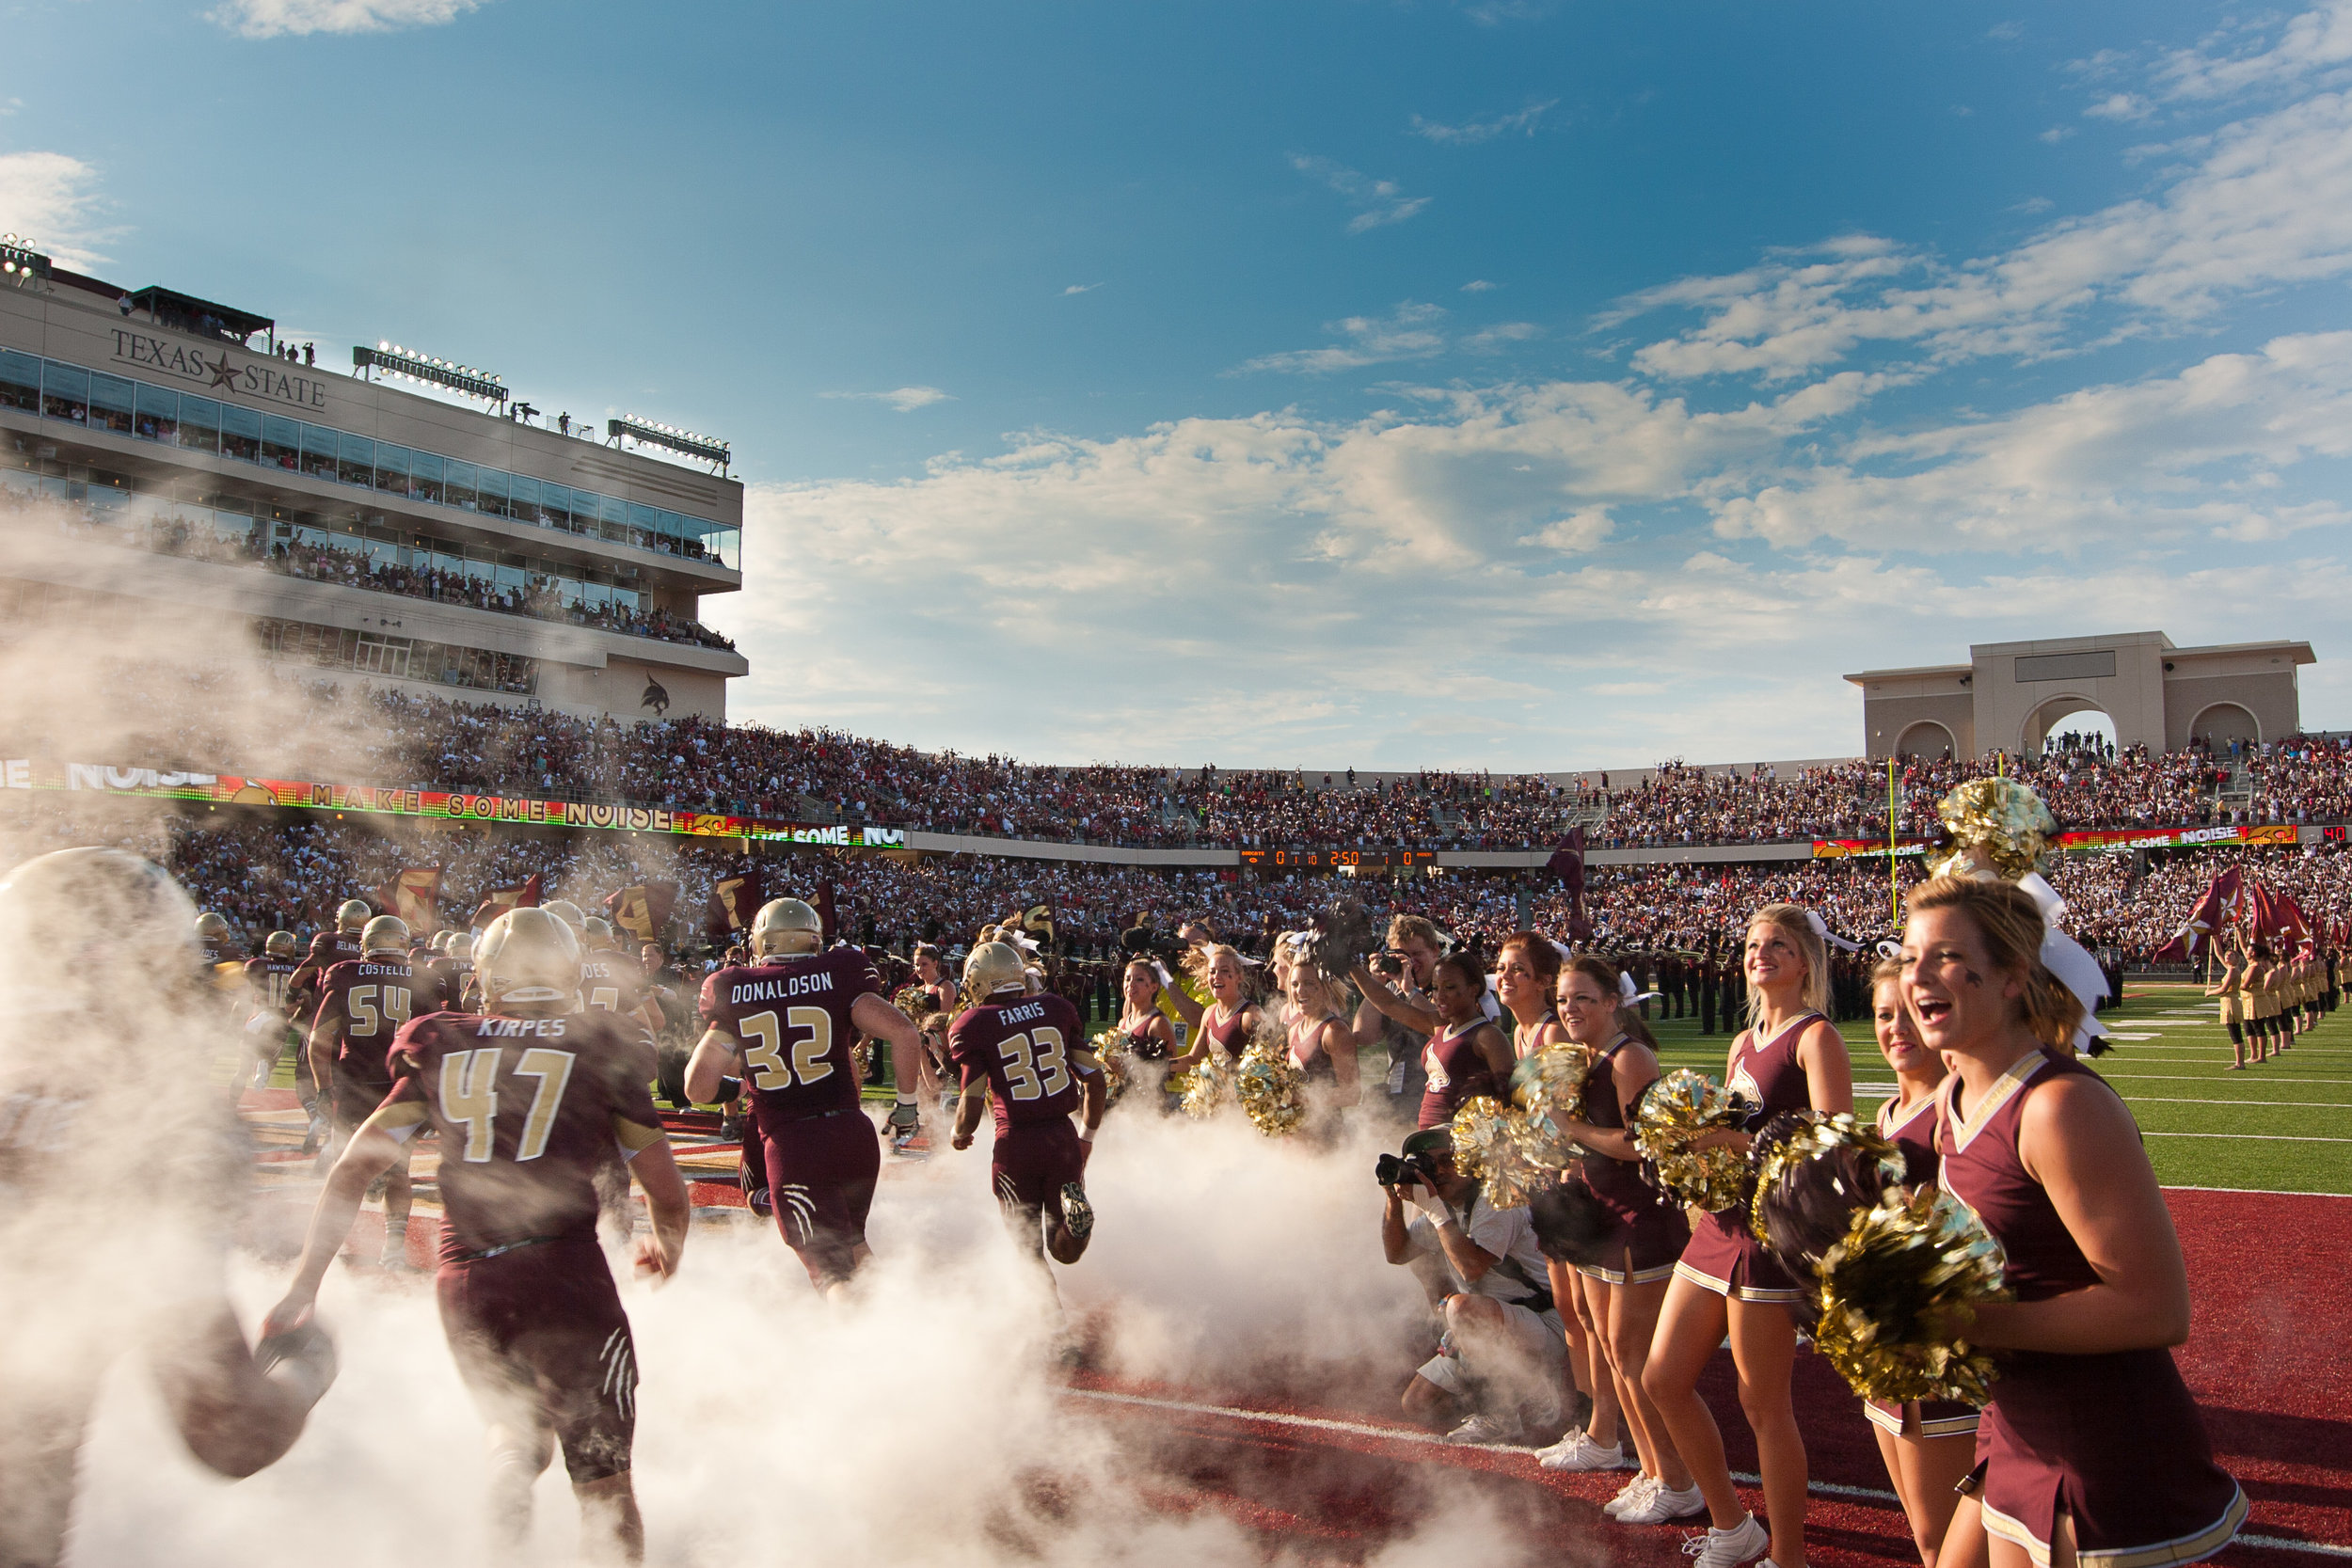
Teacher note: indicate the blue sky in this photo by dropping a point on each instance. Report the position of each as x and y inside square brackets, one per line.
[1511, 383]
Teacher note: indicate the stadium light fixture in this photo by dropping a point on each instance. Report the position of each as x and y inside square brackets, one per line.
[652, 433]
[20, 264]
[392, 359]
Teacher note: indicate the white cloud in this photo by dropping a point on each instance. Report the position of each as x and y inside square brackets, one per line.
[2056, 133]
[1080, 289]
[1490, 338]
[904, 399]
[2314, 46]
[2177, 461]
[1476, 130]
[1379, 201]
[1406, 333]
[2266, 201]
[2006, 32]
[2121, 106]
[262, 19]
[51, 200]
[1479, 286]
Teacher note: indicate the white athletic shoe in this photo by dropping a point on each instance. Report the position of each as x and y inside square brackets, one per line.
[1487, 1428]
[1579, 1452]
[1744, 1543]
[1568, 1440]
[1661, 1505]
[1633, 1494]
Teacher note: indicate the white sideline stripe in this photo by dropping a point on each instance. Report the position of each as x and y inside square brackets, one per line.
[2261, 1192]
[2249, 1137]
[1393, 1435]
[2214, 1077]
[2289, 1105]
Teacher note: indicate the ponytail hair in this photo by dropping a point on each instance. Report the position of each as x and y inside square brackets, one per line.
[1609, 978]
[1542, 957]
[1794, 922]
[2012, 925]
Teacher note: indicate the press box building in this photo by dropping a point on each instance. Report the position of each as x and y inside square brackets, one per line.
[189, 456]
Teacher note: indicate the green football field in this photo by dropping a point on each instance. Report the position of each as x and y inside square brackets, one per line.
[2284, 1126]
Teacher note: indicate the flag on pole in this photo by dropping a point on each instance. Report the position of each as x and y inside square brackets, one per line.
[734, 900]
[643, 910]
[2205, 917]
[498, 901]
[415, 895]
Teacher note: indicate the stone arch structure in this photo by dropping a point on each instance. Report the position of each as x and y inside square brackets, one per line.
[2044, 717]
[1926, 739]
[2218, 723]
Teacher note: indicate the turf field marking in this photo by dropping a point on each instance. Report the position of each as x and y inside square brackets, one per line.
[1395, 1435]
[2288, 1105]
[2195, 1077]
[2249, 1137]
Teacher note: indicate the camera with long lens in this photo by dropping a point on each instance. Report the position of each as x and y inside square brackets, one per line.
[1149, 942]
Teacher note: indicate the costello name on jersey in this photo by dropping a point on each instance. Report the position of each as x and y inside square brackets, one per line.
[777, 991]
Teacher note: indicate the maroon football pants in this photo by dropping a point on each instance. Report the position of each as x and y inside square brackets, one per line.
[821, 1173]
[540, 1340]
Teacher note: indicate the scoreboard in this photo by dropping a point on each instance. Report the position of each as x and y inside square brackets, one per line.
[1337, 859]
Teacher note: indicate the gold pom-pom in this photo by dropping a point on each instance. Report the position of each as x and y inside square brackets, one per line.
[1549, 1087]
[1676, 1109]
[1907, 1263]
[1110, 1050]
[1270, 1085]
[2000, 820]
[1208, 1087]
[1821, 1173]
[916, 1002]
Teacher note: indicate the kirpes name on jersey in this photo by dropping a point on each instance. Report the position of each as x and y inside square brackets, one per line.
[508, 1028]
[1026, 1013]
[776, 990]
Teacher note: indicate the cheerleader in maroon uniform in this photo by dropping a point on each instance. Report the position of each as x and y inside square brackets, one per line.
[2091, 1452]
[1789, 1058]
[1230, 1017]
[1466, 1056]
[1927, 1445]
[1621, 1290]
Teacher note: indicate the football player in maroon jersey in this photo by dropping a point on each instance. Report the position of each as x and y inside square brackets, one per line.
[785, 1022]
[327, 949]
[1028, 1058]
[525, 1098]
[108, 1256]
[362, 1003]
[610, 978]
[266, 1025]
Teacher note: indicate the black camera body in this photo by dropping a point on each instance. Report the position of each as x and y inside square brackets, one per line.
[1403, 1170]
[1147, 942]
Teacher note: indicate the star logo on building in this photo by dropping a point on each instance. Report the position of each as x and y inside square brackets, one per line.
[224, 374]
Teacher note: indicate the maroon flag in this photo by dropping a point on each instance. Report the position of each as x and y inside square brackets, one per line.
[415, 895]
[2205, 917]
[734, 900]
[1568, 863]
[643, 910]
[498, 901]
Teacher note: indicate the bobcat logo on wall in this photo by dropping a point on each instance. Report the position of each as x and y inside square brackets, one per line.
[656, 697]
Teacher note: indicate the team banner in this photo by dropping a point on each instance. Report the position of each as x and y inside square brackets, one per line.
[2109, 838]
[231, 790]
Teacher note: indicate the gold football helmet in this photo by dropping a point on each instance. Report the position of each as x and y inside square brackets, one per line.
[211, 928]
[385, 933]
[785, 926]
[351, 914]
[569, 914]
[596, 933]
[529, 955]
[460, 945]
[115, 912]
[282, 944]
[994, 966]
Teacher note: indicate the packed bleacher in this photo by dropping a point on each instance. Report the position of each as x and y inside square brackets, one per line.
[198, 533]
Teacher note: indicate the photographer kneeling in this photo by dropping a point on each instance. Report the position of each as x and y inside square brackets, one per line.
[1499, 1368]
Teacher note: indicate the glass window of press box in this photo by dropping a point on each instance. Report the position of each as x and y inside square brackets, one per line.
[93, 399]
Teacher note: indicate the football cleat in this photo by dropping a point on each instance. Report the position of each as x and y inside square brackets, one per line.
[1077, 1214]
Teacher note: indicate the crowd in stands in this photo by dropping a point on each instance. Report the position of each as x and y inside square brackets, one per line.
[263, 875]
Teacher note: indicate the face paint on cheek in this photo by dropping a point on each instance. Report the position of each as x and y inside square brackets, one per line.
[1973, 978]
